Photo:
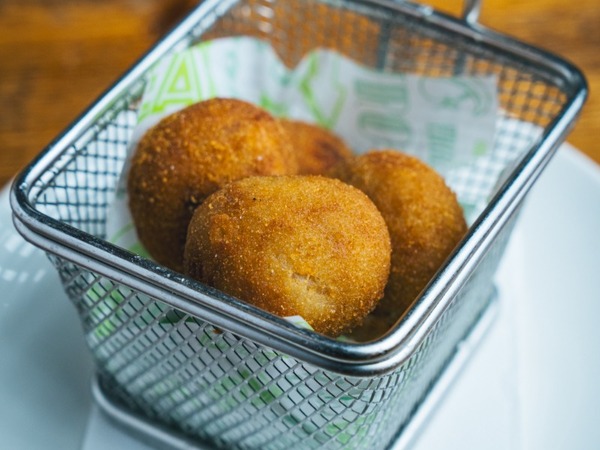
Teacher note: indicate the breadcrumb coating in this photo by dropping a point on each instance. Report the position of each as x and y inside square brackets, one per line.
[190, 154]
[424, 219]
[293, 245]
[317, 149]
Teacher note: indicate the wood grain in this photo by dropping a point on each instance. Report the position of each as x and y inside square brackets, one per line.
[568, 29]
[57, 56]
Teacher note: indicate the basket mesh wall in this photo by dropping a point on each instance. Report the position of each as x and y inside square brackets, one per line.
[220, 387]
[225, 389]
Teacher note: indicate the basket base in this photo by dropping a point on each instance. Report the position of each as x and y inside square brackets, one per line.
[159, 436]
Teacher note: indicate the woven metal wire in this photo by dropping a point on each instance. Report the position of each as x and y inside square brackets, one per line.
[218, 387]
[221, 388]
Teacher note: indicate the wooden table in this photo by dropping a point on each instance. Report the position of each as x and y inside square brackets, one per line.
[56, 57]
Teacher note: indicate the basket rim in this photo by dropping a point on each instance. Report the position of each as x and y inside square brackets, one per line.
[358, 359]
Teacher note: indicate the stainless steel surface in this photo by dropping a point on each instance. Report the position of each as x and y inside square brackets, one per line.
[471, 11]
[157, 435]
[219, 369]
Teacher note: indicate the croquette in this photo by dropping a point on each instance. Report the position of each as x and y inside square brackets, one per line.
[423, 217]
[190, 154]
[305, 246]
[317, 148]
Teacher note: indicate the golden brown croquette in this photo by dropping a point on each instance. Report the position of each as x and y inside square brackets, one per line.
[190, 154]
[423, 216]
[317, 149]
[293, 245]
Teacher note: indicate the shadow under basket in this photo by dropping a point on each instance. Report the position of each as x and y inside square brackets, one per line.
[213, 369]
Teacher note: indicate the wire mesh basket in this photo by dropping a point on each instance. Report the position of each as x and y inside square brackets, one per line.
[221, 371]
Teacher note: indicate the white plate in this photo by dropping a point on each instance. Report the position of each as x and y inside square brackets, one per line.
[532, 383]
[45, 369]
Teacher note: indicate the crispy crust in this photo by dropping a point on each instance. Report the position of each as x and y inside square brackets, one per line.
[189, 155]
[293, 245]
[317, 149]
[423, 216]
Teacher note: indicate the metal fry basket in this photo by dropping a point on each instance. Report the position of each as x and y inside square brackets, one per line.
[214, 369]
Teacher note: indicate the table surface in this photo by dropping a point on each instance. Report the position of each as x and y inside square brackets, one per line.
[57, 56]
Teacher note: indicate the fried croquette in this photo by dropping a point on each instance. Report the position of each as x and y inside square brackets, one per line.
[293, 245]
[424, 219]
[190, 154]
[317, 149]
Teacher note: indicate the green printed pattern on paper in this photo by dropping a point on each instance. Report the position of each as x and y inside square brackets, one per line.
[317, 109]
[278, 109]
[385, 130]
[180, 86]
[455, 93]
[389, 94]
[441, 142]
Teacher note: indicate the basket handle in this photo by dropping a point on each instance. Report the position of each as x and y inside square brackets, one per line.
[471, 10]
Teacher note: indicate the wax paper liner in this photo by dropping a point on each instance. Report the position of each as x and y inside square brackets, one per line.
[447, 122]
